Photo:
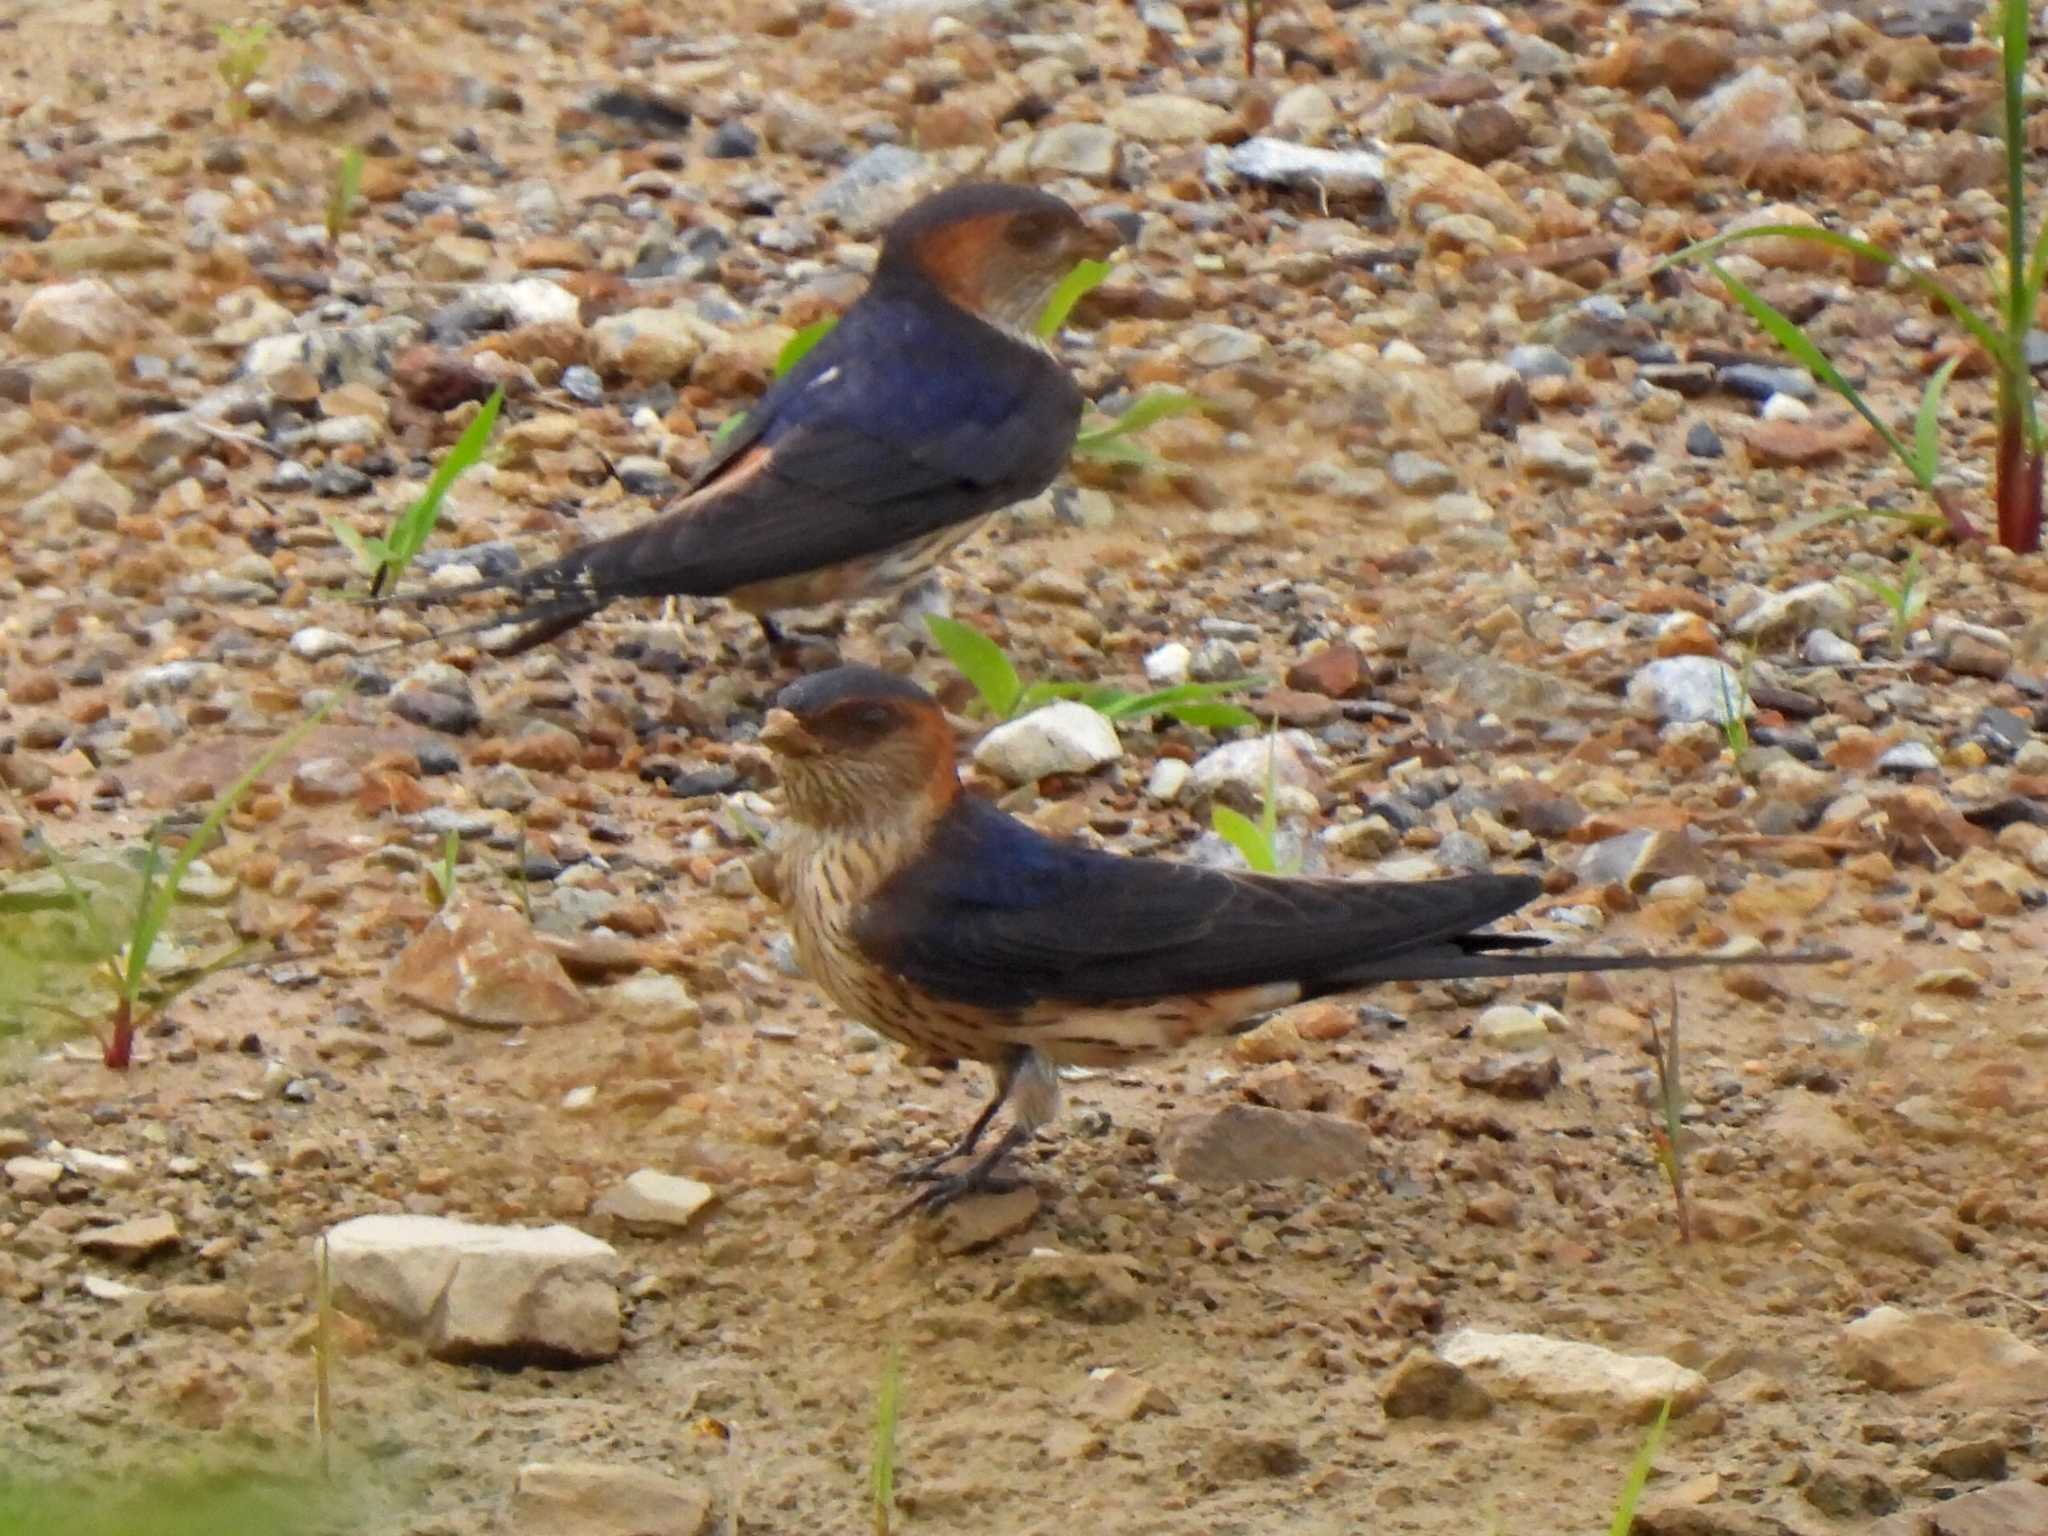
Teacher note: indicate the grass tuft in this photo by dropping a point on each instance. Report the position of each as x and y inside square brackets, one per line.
[384, 558]
[1005, 694]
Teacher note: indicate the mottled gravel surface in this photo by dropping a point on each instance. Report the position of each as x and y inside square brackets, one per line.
[1497, 525]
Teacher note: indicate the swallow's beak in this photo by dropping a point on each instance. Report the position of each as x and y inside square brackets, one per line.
[1101, 239]
[783, 733]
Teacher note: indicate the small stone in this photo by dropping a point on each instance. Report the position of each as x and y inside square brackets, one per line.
[1062, 737]
[1168, 778]
[1335, 671]
[325, 781]
[1167, 666]
[131, 1242]
[1816, 605]
[199, 1306]
[315, 644]
[1514, 1077]
[1359, 173]
[1681, 689]
[1080, 1288]
[1702, 441]
[1550, 455]
[1971, 653]
[969, 1225]
[1845, 1490]
[1426, 1386]
[657, 1201]
[592, 1498]
[1756, 115]
[1896, 1351]
[1245, 1143]
[496, 1295]
[479, 964]
[1235, 1456]
[2016, 1508]
[1087, 150]
[648, 346]
[85, 316]
[651, 1000]
[1971, 1461]
[1579, 1378]
[1511, 1027]
[1165, 118]
[1236, 773]
[1420, 475]
[1118, 1397]
[1906, 758]
[1822, 648]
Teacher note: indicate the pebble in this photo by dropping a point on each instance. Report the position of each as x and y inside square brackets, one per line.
[1891, 1350]
[1678, 689]
[544, 1296]
[1061, 737]
[651, 1200]
[1245, 1144]
[1427, 1386]
[1167, 666]
[1575, 1377]
[593, 1498]
[478, 964]
[133, 1242]
[1550, 455]
[1907, 758]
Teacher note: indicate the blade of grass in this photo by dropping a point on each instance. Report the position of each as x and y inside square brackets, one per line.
[1813, 360]
[1074, 287]
[1148, 410]
[1639, 1475]
[1982, 331]
[882, 1465]
[1927, 425]
[980, 660]
[415, 525]
[798, 346]
[1246, 836]
[155, 909]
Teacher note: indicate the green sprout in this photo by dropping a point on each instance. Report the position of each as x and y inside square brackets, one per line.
[2018, 461]
[1907, 600]
[1111, 442]
[123, 960]
[442, 874]
[1639, 1475]
[244, 52]
[1258, 841]
[323, 1360]
[1669, 1135]
[1086, 277]
[384, 558]
[1005, 694]
[344, 193]
[1734, 723]
[882, 1463]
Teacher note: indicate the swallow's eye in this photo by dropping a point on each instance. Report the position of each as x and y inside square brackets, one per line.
[858, 724]
[1033, 231]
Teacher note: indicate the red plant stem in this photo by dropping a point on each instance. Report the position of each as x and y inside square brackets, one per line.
[2018, 487]
[122, 1044]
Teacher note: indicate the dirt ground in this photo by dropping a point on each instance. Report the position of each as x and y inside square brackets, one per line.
[1860, 1134]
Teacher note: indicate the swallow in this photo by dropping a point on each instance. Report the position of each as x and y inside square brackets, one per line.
[961, 932]
[929, 407]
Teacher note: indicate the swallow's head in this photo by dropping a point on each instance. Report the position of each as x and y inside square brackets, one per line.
[996, 250]
[861, 747]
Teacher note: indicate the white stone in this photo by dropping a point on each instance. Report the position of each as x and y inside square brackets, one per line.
[651, 346]
[1686, 688]
[1170, 776]
[1167, 667]
[531, 301]
[1813, 605]
[1088, 150]
[590, 1498]
[1784, 407]
[1305, 113]
[651, 1000]
[1236, 771]
[85, 316]
[1061, 737]
[1550, 455]
[1166, 118]
[316, 644]
[1511, 1027]
[1279, 162]
[652, 1199]
[542, 1295]
[1580, 1378]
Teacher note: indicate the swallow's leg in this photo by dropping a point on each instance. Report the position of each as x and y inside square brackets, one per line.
[981, 1179]
[771, 631]
[1005, 1074]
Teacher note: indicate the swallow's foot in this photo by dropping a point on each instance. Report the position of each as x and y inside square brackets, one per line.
[943, 1189]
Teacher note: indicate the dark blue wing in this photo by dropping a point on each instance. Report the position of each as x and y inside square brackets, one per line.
[998, 915]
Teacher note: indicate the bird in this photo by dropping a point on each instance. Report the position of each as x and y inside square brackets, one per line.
[931, 405]
[963, 933]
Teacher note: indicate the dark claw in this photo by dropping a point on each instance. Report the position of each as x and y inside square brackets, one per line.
[952, 1187]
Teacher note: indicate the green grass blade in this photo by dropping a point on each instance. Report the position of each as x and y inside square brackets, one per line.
[1246, 836]
[798, 346]
[1982, 331]
[415, 525]
[369, 553]
[882, 1462]
[1927, 425]
[2013, 17]
[1149, 409]
[1787, 335]
[1639, 1475]
[1074, 287]
[348, 185]
[155, 909]
[980, 660]
[2037, 268]
[1167, 701]
[1115, 450]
